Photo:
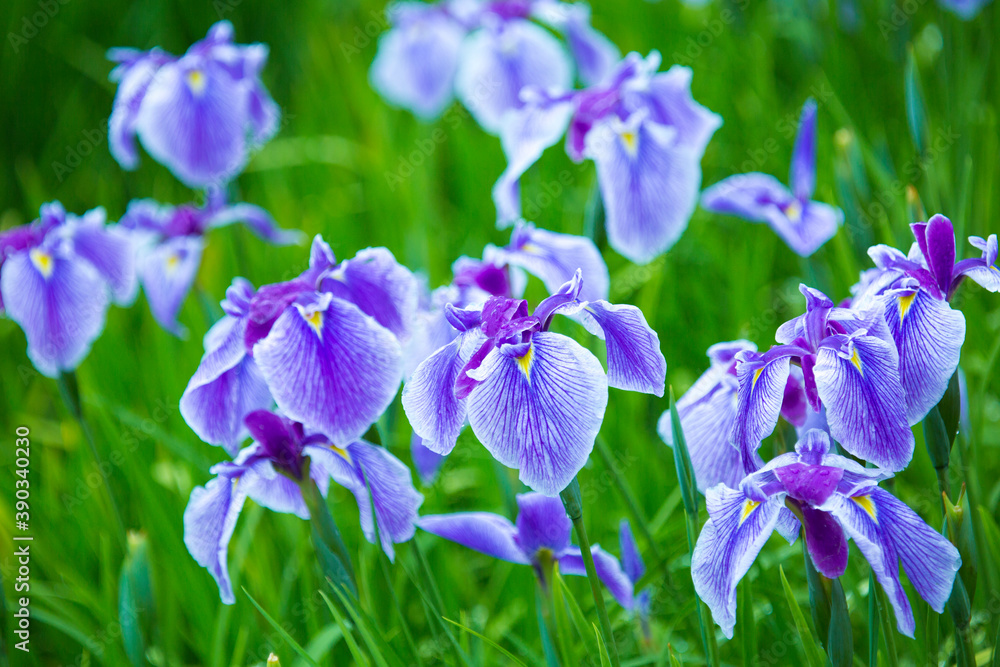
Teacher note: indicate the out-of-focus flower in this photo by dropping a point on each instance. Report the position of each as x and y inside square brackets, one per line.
[646, 136]
[634, 569]
[803, 224]
[326, 346]
[534, 398]
[836, 499]
[540, 538]
[199, 114]
[58, 275]
[269, 471]
[965, 9]
[170, 241]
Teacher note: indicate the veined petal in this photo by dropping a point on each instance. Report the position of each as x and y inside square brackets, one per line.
[803, 172]
[748, 196]
[608, 569]
[929, 337]
[109, 249]
[865, 405]
[555, 258]
[540, 413]
[667, 95]
[209, 521]
[635, 361]
[761, 393]
[330, 366]
[268, 488]
[805, 227]
[542, 523]
[167, 273]
[729, 543]
[484, 532]
[59, 301]
[133, 81]
[649, 183]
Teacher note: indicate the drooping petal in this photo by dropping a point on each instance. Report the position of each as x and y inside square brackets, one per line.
[729, 542]
[762, 390]
[542, 523]
[416, 61]
[495, 64]
[806, 227]
[133, 79]
[594, 54]
[649, 184]
[258, 220]
[859, 384]
[59, 301]
[608, 569]
[803, 172]
[667, 96]
[631, 558]
[929, 337]
[983, 270]
[486, 533]
[269, 488]
[330, 366]
[540, 413]
[109, 249]
[167, 273]
[749, 196]
[635, 361]
[209, 520]
[825, 542]
[887, 531]
[555, 258]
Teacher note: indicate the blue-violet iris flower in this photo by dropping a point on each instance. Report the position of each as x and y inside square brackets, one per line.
[802, 223]
[540, 538]
[269, 472]
[634, 568]
[200, 114]
[838, 500]
[534, 398]
[58, 275]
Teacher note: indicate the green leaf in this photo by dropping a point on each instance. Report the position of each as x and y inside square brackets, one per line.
[748, 629]
[605, 658]
[135, 599]
[682, 460]
[352, 644]
[916, 117]
[811, 650]
[284, 634]
[840, 640]
[488, 641]
[576, 614]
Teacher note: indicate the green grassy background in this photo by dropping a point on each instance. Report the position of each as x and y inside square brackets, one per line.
[326, 172]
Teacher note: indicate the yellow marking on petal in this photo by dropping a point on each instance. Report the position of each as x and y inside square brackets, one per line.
[236, 481]
[748, 507]
[315, 320]
[905, 302]
[42, 261]
[173, 261]
[529, 247]
[196, 81]
[756, 376]
[631, 141]
[995, 268]
[524, 362]
[856, 360]
[794, 211]
[865, 503]
[341, 452]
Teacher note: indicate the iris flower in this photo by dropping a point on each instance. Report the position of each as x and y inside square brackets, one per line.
[269, 472]
[803, 224]
[200, 114]
[964, 9]
[646, 136]
[485, 53]
[634, 569]
[837, 500]
[58, 275]
[534, 398]
[540, 538]
[850, 367]
[708, 414]
[913, 292]
[325, 347]
[170, 242]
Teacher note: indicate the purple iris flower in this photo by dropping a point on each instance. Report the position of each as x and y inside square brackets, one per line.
[326, 347]
[269, 472]
[965, 9]
[534, 398]
[170, 241]
[200, 114]
[850, 366]
[913, 292]
[646, 136]
[540, 538]
[708, 413]
[838, 500]
[803, 224]
[634, 569]
[58, 275]
[485, 54]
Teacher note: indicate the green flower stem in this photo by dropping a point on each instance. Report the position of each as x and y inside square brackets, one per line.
[574, 508]
[69, 389]
[326, 534]
[630, 500]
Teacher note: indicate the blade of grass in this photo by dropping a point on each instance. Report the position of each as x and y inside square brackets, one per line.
[813, 653]
[352, 644]
[488, 641]
[281, 631]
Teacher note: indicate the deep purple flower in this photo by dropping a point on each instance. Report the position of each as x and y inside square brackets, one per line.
[327, 346]
[269, 472]
[646, 136]
[803, 224]
[170, 241]
[199, 114]
[540, 538]
[634, 569]
[57, 276]
[849, 365]
[838, 500]
[708, 415]
[534, 398]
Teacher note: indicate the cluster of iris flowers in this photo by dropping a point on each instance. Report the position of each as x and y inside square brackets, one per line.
[306, 368]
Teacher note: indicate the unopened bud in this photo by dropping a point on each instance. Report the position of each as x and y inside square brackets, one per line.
[272, 661]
